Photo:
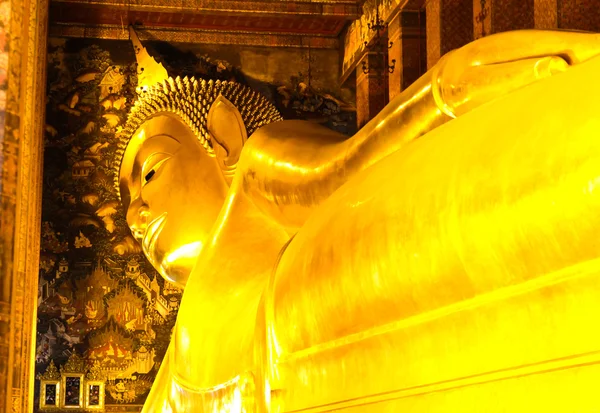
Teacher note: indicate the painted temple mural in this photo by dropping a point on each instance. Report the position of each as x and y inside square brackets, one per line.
[104, 314]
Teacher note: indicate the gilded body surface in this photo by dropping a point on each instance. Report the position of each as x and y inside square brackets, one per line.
[442, 259]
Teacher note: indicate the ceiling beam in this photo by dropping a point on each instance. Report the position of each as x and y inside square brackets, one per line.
[293, 23]
[348, 9]
[207, 37]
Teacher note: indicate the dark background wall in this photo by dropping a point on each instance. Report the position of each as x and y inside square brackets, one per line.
[98, 297]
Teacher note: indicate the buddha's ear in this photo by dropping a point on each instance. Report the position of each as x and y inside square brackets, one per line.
[228, 133]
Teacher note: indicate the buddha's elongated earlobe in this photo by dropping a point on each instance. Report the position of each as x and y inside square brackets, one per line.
[228, 134]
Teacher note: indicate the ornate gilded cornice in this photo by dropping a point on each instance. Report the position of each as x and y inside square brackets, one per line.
[75, 364]
[51, 373]
[95, 372]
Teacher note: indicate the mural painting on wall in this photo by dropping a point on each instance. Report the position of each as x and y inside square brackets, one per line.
[104, 314]
[98, 300]
[300, 101]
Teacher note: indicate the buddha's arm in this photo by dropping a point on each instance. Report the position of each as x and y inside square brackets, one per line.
[287, 171]
[466, 253]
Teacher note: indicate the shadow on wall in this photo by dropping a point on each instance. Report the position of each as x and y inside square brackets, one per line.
[294, 91]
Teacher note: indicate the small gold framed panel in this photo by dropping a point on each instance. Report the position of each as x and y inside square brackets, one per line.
[94, 395]
[49, 394]
[72, 391]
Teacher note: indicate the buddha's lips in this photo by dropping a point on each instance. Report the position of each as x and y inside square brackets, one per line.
[152, 233]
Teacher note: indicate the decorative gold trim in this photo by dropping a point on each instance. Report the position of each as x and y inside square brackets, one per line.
[63, 393]
[95, 373]
[75, 364]
[21, 200]
[129, 408]
[43, 405]
[99, 406]
[51, 372]
[213, 37]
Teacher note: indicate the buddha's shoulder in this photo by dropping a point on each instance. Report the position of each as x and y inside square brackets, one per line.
[294, 129]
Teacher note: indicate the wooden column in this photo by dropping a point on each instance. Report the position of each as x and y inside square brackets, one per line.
[495, 16]
[433, 33]
[371, 88]
[449, 26]
[21, 150]
[406, 31]
[578, 15]
[507, 15]
[545, 14]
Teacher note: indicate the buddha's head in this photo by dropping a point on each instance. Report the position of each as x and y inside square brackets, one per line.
[176, 159]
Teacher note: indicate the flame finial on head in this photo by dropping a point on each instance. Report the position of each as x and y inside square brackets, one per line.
[149, 71]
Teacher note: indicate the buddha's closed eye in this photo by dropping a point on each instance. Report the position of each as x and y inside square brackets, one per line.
[149, 175]
[153, 166]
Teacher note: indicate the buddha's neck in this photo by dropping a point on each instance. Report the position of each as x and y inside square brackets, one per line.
[216, 324]
[243, 247]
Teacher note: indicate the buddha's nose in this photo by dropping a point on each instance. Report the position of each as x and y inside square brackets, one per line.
[137, 218]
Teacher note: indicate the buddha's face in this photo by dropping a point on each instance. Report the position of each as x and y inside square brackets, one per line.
[173, 192]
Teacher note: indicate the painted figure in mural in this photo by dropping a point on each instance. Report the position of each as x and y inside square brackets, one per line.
[441, 255]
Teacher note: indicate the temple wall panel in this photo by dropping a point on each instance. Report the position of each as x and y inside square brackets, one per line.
[456, 24]
[545, 14]
[22, 46]
[449, 26]
[371, 89]
[407, 34]
[495, 16]
[579, 15]
[509, 15]
[433, 32]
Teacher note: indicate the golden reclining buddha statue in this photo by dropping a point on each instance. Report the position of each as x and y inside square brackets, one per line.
[443, 259]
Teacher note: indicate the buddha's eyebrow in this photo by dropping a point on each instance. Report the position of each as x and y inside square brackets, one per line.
[150, 147]
[148, 160]
[136, 168]
[133, 185]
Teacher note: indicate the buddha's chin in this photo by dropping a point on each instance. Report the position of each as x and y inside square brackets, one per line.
[175, 274]
[176, 265]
